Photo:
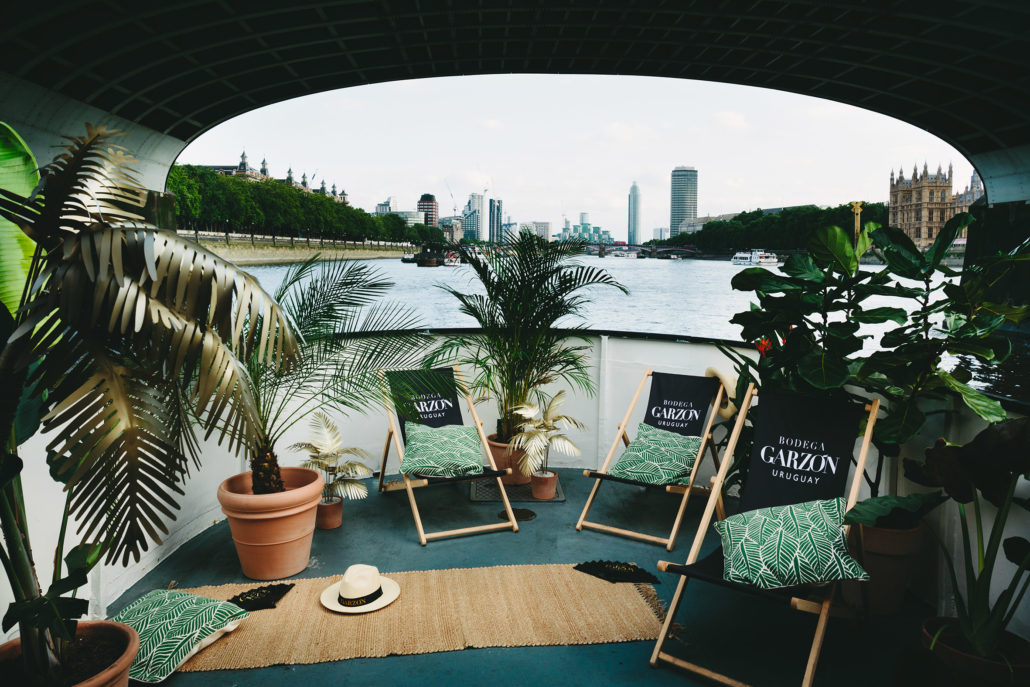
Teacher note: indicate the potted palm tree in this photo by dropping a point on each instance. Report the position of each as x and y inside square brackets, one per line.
[124, 342]
[530, 285]
[342, 477]
[543, 428]
[345, 336]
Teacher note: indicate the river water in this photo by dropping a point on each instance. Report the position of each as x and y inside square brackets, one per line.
[680, 297]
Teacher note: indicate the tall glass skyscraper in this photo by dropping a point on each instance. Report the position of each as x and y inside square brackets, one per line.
[472, 216]
[633, 224]
[496, 230]
[684, 198]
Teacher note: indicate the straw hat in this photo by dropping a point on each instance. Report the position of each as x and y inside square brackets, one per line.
[361, 590]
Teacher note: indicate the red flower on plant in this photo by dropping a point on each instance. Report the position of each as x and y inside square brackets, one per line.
[763, 345]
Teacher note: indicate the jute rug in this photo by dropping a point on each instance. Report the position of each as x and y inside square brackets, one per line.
[438, 610]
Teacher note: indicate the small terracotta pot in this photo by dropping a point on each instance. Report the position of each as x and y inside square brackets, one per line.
[272, 532]
[955, 662]
[890, 558]
[115, 675]
[330, 515]
[545, 484]
[503, 460]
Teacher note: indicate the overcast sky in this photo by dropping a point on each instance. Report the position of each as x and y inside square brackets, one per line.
[550, 146]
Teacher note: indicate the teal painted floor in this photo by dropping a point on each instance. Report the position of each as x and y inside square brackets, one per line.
[751, 639]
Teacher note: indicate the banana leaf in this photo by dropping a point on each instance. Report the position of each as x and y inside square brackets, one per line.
[18, 173]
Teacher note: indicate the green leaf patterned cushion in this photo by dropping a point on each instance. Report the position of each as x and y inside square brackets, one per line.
[448, 451]
[657, 456]
[784, 546]
[173, 626]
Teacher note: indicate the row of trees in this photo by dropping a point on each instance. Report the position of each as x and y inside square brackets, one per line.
[208, 201]
[789, 229]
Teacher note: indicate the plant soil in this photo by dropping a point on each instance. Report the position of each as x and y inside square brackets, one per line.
[83, 658]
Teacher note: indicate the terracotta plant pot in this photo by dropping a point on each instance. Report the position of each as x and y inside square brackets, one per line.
[115, 675]
[272, 532]
[504, 460]
[955, 662]
[890, 557]
[545, 484]
[330, 515]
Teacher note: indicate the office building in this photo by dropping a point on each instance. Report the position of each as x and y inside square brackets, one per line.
[633, 222]
[388, 206]
[660, 233]
[683, 205]
[472, 217]
[428, 206]
[496, 230]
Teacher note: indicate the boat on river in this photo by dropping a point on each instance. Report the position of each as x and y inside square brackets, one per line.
[408, 257]
[756, 256]
[452, 259]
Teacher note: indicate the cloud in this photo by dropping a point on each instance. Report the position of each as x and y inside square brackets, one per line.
[494, 124]
[731, 119]
[628, 132]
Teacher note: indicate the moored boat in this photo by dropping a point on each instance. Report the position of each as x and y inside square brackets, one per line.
[756, 256]
[408, 257]
[452, 260]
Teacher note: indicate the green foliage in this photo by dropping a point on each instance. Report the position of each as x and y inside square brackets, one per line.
[206, 199]
[894, 512]
[988, 467]
[788, 229]
[530, 285]
[346, 336]
[18, 174]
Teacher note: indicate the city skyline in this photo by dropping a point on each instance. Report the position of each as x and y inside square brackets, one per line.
[756, 147]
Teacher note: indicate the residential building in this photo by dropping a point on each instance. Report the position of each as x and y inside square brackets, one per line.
[633, 222]
[542, 229]
[921, 204]
[585, 231]
[472, 217]
[496, 230]
[683, 198]
[427, 205]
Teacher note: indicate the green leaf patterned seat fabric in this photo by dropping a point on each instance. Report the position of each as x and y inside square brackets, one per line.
[658, 457]
[173, 626]
[785, 546]
[448, 451]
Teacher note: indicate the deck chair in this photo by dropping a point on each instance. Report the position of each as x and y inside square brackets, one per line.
[430, 397]
[683, 404]
[834, 423]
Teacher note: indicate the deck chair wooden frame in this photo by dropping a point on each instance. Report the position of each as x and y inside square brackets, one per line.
[620, 435]
[393, 435]
[820, 604]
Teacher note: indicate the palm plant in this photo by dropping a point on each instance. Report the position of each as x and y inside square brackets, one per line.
[346, 336]
[530, 285]
[126, 339]
[343, 478]
[536, 435]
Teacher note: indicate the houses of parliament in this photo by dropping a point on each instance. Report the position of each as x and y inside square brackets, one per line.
[922, 203]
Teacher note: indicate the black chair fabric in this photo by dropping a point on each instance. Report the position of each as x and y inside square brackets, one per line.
[679, 403]
[802, 450]
[428, 397]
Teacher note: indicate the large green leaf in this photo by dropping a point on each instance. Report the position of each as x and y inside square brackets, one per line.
[802, 267]
[946, 237]
[901, 254]
[894, 512]
[875, 315]
[987, 408]
[18, 173]
[832, 246]
[823, 370]
[761, 279]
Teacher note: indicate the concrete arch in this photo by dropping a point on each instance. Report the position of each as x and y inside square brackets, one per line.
[167, 72]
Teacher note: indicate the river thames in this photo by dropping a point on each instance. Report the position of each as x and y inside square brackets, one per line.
[682, 297]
